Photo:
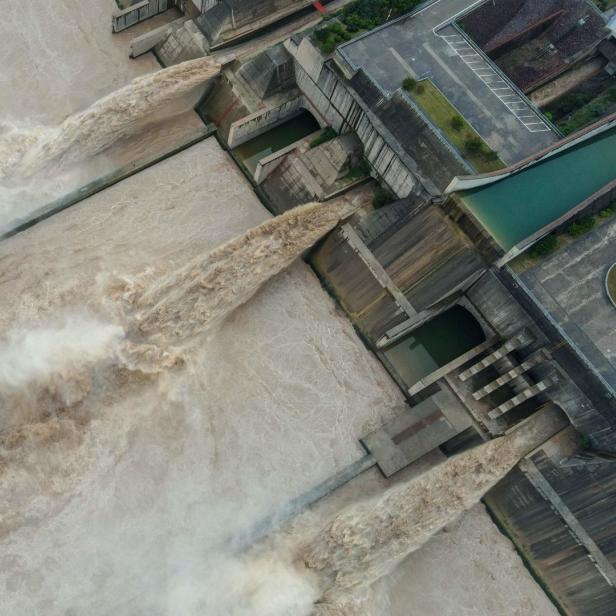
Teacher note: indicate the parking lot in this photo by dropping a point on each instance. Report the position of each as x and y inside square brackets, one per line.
[427, 45]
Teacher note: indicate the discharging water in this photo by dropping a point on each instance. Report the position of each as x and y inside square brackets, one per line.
[172, 310]
[365, 541]
[116, 116]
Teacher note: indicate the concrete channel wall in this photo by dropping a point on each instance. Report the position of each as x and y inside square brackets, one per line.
[332, 103]
[263, 120]
[122, 19]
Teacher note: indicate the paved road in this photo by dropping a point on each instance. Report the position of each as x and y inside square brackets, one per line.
[426, 45]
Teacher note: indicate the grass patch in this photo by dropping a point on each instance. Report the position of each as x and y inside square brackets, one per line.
[360, 170]
[544, 247]
[553, 242]
[459, 132]
[582, 226]
[329, 37]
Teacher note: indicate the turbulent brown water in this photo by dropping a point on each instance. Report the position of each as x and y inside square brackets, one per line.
[367, 540]
[154, 320]
[164, 313]
[86, 133]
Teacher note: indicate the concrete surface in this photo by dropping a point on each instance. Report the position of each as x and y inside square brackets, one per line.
[571, 286]
[425, 46]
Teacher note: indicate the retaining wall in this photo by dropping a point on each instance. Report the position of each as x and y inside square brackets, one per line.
[122, 19]
[261, 121]
[332, 103]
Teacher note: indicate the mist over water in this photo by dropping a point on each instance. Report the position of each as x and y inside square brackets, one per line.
[323, 571]
[39, 164]
[165, 312]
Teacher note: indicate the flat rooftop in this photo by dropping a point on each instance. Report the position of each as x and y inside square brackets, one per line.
[514, 208]
[426, 44]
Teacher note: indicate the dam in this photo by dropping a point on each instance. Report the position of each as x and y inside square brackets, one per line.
[205, 409]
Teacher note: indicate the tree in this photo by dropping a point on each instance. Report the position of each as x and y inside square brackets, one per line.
[473, 145]
[409, 84]
[457, 122]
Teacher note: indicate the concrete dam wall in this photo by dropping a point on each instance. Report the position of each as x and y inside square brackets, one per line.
[329, 100]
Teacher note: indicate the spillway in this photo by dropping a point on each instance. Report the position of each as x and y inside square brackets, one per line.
[115, 116]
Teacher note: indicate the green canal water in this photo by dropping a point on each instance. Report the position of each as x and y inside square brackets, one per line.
[276, 139]
[435, 344]
[514, 208]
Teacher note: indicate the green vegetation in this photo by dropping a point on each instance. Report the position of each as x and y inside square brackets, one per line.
[457, 123]
[459, 132]
[544, 247]
[552, 242]
[608, 212]
[582, 226]
[605, 4]
[409, 84]
[327, 135]
[611, 283]
[575, 110]
[329, 37]
[360, 170]
[357, 17]
[382, 197]
[584, 442]
[368, 14]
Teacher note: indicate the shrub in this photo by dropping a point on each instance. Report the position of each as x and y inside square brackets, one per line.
[329, 37]
[327, 135]
[409, 84]
[608, 211]
[490, 155]
[457, 122]
[544, 246]
[473, 145]
[381, 197]
[361, 169]
[368, 14]
[584, 225]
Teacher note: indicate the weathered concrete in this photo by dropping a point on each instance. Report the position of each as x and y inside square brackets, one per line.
[261, 121]
[570, 286]
[136, 13]
[146, 42]
[417, 42]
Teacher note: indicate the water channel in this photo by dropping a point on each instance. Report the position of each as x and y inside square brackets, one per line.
[517, 206]
[435, 344]
[276, 139]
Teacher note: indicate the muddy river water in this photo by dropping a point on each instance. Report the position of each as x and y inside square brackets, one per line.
[120, 507]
